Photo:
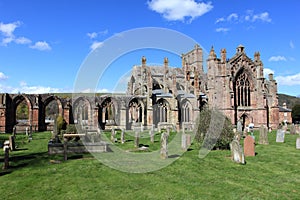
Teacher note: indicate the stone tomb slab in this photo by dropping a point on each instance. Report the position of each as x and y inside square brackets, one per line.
[249, 146]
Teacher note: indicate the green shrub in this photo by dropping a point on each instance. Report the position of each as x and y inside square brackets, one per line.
[71, 128]
[60, 124]
[219, 140]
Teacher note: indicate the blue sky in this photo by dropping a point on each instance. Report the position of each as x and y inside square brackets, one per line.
[43, 44]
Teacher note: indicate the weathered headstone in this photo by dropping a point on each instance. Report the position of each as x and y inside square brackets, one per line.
[164, 146]
[298, 143]
[292, 129]
[297, 129]
[151, 133]
[249, 146]
[280, 135]
[26, 131]
[188, 139]
[113, 135]
[12, 143]
[14, 131]
[6, 158]
[237, 153]
[183, 142]
[263, 135]
[123, 136]
[137, 139]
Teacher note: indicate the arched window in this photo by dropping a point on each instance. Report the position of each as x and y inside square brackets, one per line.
[186, 110]
[135, 111]
[162, 111]
[242, 92]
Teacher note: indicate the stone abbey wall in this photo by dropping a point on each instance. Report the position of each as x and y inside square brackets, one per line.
[164, 95]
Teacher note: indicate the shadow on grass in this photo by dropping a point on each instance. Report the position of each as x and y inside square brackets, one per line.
[174, 156]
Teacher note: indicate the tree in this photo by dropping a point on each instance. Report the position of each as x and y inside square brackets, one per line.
[296, 113]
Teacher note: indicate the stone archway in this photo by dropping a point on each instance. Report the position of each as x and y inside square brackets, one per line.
[50, 109]
[32, 117]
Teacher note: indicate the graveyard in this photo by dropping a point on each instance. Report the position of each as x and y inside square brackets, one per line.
[33, 173]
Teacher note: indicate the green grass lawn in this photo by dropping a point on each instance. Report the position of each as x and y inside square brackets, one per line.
[274, 173]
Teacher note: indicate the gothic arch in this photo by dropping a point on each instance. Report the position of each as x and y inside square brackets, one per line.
[16, 101]
[161, 111]
[108, 114]
[186, 111]
[243, 87]
[82, 111]
[58, 101]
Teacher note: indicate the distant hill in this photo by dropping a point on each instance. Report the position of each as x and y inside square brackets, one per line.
[289, 100]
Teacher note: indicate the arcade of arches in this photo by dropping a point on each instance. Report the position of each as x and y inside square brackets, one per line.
[162, 94]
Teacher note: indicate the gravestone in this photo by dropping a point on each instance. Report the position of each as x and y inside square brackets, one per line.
[26, 131]
[14, 131]
[151, 133]
[136, 139]
[280, 135]
[183, 142]
[188, 139]
[263, 135]
[30, 136]
[12, 143]
[249, 146]
[123, 136]
[113, 135]
[298, 143]
[237, 154]
[6, 158]
[164, 146]
[297, 129]
[292, 129]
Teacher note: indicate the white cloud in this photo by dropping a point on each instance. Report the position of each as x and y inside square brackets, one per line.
[96, 45]
[289, 80]
[41, 45]
[8, 29]
[92, 35]
[220, 20]
[292, 44]
[6, 41]
[268, 71]
[232, 17]
[250, 16]
[22, 40]
[263, 17]
[3, 76]
[277, 58]
[25, 88]
[222, 29]
[179, 10]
